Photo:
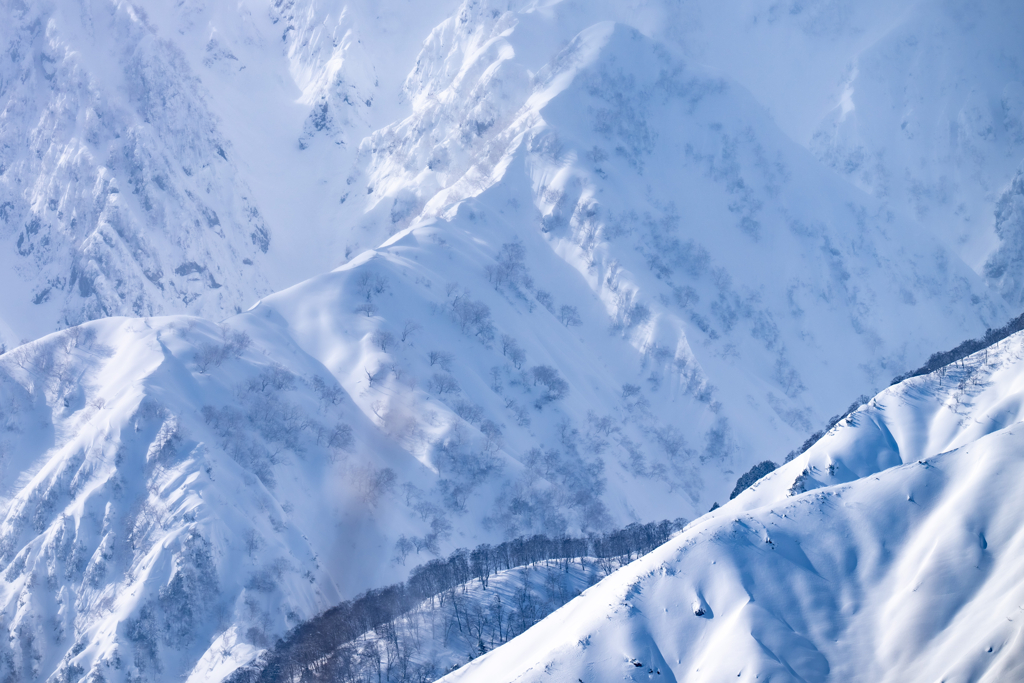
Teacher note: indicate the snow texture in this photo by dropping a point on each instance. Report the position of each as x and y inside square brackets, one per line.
[539, 267]
[889, 551]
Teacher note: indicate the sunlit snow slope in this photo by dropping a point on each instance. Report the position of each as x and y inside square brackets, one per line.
[185, 157]
[590, 277]
[890, 551]
[180, 157]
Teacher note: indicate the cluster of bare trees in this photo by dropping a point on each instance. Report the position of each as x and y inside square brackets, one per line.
[964, 349]
[509, 269]
[263, 410]
[364, 639]
[370, 285]
[213, 354]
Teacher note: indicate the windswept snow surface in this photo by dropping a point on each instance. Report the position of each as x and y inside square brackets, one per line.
[591, 274]
[891, 550]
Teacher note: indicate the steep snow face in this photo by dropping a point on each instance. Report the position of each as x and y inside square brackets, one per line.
[586, 283]
[120, 104]
[149, 148]
[930, 118]
[194, 491]
[637, 289]
[119, 194]
[1002, 267]
[890, 551]
[710, 240]
[132, 533]
[178, 494]
[297, 86]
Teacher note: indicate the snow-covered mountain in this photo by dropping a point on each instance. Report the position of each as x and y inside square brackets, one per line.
[931, 119]
[151, 149]
[595, 262]
[889, 551]
[119, 193]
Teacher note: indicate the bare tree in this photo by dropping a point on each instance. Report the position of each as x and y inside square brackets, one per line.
[546, 300]
[569, 316]
[443, 383]
[473, 316]
[341, 437]
[441, 358]
[548, 376]
[252, 541]
[382, 339]
[409, 328]
[327, 393]
[207, 355]
[374, 483]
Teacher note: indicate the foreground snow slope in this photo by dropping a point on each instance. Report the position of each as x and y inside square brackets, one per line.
[640, 288]
[890, 551]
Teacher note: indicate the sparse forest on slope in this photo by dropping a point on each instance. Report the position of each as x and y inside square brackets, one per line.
[554, 268]
[119, 192]
[384, 631]
[888, 551]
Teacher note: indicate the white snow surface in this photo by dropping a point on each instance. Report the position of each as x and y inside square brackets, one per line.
[889, 551]
[652, 201]
[162, 158]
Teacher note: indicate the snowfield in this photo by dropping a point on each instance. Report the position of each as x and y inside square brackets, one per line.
[408, 277]
[889, 551]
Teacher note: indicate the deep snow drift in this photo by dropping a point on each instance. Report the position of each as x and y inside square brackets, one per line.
[891, 550]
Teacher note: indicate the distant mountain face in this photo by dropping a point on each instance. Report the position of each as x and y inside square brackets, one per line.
[586, 281]
[642, 288]
[142, 141]
[890, 551]
[931, 121]
[150, 151]
[120, 193]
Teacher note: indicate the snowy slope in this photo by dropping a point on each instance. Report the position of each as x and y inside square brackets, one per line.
[176, 492]
[114, 114]
[930, 118]
[151, 150]
[626, 158]
[891, 550]
[586, 281]
[119, 193]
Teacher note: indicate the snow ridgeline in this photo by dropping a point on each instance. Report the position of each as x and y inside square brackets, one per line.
[151, 150]
[336, 645]
[937, 362]
[179, 498]
[200, 489]
[891, 550]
